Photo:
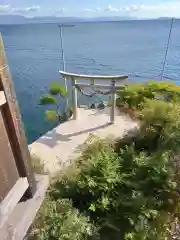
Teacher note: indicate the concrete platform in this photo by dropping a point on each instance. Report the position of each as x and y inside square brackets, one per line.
[57, 148]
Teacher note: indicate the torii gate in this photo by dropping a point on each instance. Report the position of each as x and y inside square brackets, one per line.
[91, 84]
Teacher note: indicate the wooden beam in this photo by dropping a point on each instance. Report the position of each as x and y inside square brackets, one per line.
[22, 217]
[14, 126]
[92, 82]
[89, 77]
[113, 108]
[83, 85]
[11, 200]
[2, 98]
[74, 98]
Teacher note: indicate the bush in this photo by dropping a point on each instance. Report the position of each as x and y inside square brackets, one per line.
[130, 189]
[165, 90]
[170, 136]
[57, 220]
[131, 96]
[161, 124]
[54, 98]
[134, 95]
[128, 194]
[156, 112]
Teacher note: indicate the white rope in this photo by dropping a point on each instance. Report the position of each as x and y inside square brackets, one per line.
[96, 91]
[1, 69]
[103, 93]
[86, 94]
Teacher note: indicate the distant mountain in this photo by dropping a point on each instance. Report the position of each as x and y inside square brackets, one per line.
[52, 19]
[12, 19]
[164, 18]
[17, 19]
[112, 18]
[168, 18]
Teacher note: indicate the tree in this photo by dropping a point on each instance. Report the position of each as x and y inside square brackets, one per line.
[57, 94]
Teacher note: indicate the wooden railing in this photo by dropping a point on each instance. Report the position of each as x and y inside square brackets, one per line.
[113, 80]
[13, 144]
[21, 193]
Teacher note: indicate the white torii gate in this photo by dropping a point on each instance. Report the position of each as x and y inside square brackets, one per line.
[91, 84]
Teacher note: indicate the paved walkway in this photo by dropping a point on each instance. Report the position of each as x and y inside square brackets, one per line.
[56, 148]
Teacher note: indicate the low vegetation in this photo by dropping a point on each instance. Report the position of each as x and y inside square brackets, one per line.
[134, 95]
[123, 190]
[56, 98]
[59, 220]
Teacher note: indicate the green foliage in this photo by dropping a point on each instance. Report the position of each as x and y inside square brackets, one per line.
[156, 112]
[130, 189]
[170, 135]
[161, 126]
[57, 89]
[131, 96]
[165, 90]
[134, 95]
[47, 99]
[58, 220]
[51, 115]
[57, 93]
[129, 194]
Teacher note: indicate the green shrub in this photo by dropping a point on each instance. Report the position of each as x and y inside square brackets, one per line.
[166, 90]
[161, 125]
[156, 116]
[94, 149]
[156, 112]
[134, 95]
[128, 194]
[170, 136]
[57, 220]
[56, 95]
[131, 96]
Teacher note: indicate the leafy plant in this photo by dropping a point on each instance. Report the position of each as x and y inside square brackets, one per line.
[58, 220]
[170, 136]
[134, 95]
[131, 96]
[156, 112]
[128, 194]
[161, 124]
[167, 91]
[57, 94]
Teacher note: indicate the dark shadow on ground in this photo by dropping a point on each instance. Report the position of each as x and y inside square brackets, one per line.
[52, 138]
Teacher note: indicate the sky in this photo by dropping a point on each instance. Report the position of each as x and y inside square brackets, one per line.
[92, 8]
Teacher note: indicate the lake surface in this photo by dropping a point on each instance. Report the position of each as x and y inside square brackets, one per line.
[136, 48]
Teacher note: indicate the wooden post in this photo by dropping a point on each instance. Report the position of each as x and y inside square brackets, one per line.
[14, 126]
[113, 109]
[74, 98]
[92, 82]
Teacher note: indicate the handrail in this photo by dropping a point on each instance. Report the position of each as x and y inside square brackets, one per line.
[82, 76]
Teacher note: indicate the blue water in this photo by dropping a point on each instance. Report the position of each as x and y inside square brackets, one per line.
[136, 48]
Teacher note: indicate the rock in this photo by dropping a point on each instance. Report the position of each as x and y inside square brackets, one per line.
[92, 106]
[101, 106]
